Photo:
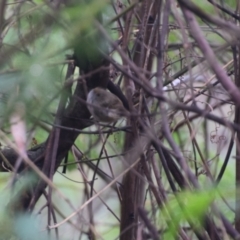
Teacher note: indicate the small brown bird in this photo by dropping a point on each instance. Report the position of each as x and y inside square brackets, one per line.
[105, 106]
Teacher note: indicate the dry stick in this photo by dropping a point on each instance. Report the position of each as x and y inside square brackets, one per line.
[53, 213]
[165, 157]
[121, 27]
[141, 80]
[152, 92]
[232, 138]
[90, 206]
[161, 40]
[162, 157]
[228, 26]
[153, 188]
[33, 167]
[177, 175]
[91, 226]
[179, 106]
[208, 81]
[209, 174]
[52, 144]
[192, 117]
[145, 61]
[126, 10]
[195, 141]
[228, 11]
[152, 230]
[192, 64]
[2, 13]
[109, 164]
[184, 107]
[96, 195]
[138, 48]
[223, 168]
[100, 172]
[158, 178]
[85, 177]
[204, 113]
[210, 56]
[104, 141]
[165, 127]
[99, 158]
[236, 57]
[180, 182]
[162, 153]
[86, 195]
[150, 43]
[112, 130]
[129, 192]
[221, 75]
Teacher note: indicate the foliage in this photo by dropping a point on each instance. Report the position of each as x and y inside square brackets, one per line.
[163, 171]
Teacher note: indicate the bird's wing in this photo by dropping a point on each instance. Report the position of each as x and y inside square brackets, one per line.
[115, 104]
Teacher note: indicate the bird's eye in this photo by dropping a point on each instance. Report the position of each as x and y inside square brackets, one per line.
[98, 94]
